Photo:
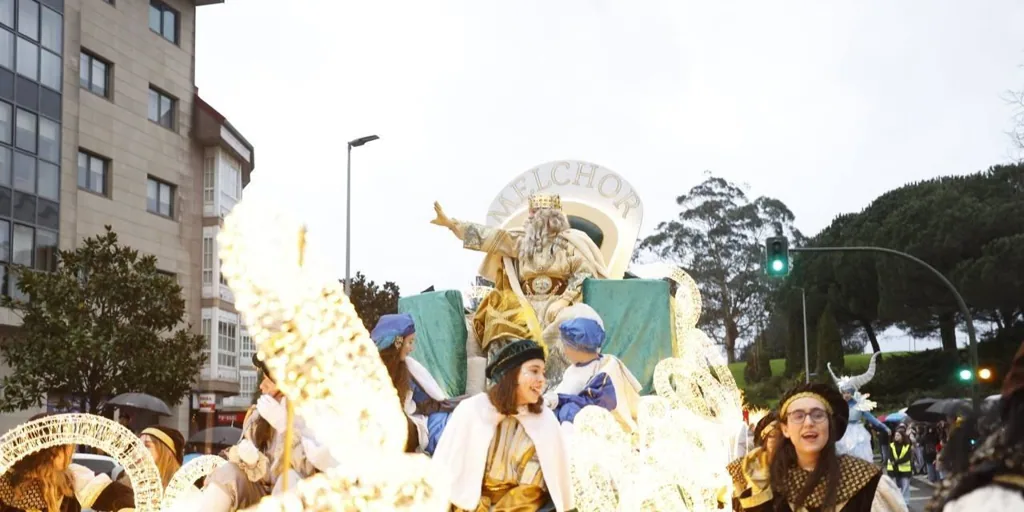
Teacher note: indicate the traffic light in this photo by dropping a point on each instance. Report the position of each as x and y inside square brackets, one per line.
[776, 256]
[964, 370]
[986, 374]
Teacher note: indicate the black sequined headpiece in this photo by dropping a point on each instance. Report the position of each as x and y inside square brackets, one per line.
[511, 356]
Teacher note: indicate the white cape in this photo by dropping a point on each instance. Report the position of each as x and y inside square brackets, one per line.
[422, 376]
[463, 448]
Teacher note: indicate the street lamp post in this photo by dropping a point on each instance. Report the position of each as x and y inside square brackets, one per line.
[348, 210]
[807, 358]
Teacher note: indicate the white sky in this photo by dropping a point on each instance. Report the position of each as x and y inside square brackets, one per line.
[822, 106]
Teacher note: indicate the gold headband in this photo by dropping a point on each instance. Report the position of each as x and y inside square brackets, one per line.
[538, 201]
[769, 429]
[803, 394]
[164, 438]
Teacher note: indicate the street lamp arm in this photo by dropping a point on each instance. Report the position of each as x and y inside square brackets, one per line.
[971, 336]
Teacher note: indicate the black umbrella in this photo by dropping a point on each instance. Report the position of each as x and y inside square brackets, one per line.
[950, 407]
[140, 402]
[918, 411]
[217, 435]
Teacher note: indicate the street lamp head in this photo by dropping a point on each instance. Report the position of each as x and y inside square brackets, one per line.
[362, 140]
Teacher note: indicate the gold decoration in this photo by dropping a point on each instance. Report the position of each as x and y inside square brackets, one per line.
[325, 363]
[692, 417]
[538, 201]
[90, 430]
[184, 478]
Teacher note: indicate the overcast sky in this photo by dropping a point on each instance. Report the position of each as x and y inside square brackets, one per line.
[823, 106]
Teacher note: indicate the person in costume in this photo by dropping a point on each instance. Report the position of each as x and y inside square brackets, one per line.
[166, 445]
[857, 440]
[994, 477]
[806, 472]
[255, 465]
[750, 472]
[47, 481]
[593, 378]
[426, 405]
[537, 272]
[502, 449]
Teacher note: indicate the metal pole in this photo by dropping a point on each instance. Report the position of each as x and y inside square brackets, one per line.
[807, 357]
[971, 336]
[348, 224]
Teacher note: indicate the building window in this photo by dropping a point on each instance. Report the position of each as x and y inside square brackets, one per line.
[25, 136]
[24, 172]
[50, 70]
[93, 74]
[207, 260]
[248, 349]
[46, 250]
[6, 113]
[28, 19]
[28, 59]
[161, 108]
[51, 33]
[93, 172]
[49, 181]
[49, 140]
[247, 387]
[231, 178]
[6, 48]
[227, 355]
[160, 197]
[24, 240]
[163, 20]
[7, 12]
[207, 332]
[5, 240]
[208, 185]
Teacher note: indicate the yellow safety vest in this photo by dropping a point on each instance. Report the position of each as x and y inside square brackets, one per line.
[904, 467]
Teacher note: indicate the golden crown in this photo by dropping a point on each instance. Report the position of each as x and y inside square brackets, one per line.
[539, 201]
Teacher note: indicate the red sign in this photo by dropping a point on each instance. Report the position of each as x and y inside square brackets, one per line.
[228, 419]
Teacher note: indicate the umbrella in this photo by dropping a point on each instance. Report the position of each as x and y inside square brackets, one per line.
[141, 402]
[918, 411]
[895, 417]
[217, 435]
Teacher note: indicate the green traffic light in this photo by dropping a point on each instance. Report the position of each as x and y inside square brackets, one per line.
[777, 265]
[966, 374]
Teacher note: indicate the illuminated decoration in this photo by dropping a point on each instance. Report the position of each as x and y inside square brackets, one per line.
[184, 478]
[323, 360]
[90, 430]
[696, 408]
[755, 415]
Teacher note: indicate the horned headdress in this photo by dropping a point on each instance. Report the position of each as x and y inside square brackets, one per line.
[850, 384]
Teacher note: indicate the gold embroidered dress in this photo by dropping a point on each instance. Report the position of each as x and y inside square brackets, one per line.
[513, 480]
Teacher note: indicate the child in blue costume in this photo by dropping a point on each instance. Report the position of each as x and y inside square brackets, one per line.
[426, 405]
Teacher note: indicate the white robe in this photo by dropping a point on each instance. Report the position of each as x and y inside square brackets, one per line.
[463, 448]
[429, 385]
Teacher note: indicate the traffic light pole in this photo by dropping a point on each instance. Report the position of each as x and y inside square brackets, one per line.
[972, 338]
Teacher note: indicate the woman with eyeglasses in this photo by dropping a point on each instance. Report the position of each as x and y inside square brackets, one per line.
[807, 475]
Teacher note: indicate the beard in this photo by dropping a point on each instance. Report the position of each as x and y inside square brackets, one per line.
[542, 230]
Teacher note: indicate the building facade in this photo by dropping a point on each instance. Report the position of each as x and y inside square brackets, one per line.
[101, 124]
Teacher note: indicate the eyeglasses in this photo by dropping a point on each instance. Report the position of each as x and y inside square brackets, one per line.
[797, 417]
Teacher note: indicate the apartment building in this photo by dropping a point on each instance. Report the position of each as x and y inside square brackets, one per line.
[101, 123]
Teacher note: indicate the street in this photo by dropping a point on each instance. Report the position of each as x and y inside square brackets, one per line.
[920, 492]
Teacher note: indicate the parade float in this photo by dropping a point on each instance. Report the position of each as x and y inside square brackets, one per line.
[320, 354]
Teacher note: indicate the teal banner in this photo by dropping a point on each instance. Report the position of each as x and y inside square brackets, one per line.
[637, 316]
[440, 336]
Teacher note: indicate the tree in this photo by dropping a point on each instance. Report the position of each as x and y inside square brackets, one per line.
[830, 343]
[105, 322]
[372, 301]
[759, 365]
[718, 239]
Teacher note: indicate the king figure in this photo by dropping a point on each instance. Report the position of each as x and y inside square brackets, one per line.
[537, 272]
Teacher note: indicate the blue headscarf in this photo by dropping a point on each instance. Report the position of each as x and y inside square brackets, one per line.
[391, 327]
[582, 334]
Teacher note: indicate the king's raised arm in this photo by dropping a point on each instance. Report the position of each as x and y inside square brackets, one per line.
[478, 237]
